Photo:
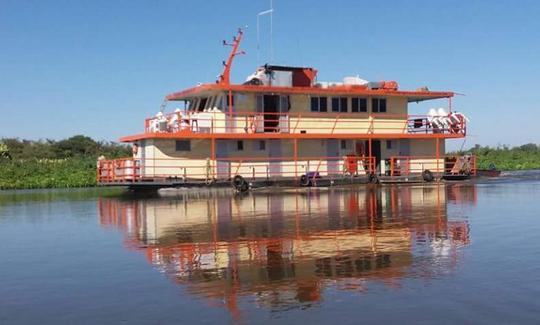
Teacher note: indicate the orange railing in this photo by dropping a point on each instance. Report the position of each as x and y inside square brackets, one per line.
[314, 123]
[136, 170]
[443, 165]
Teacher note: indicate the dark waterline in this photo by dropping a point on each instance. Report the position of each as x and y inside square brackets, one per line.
[425, 254]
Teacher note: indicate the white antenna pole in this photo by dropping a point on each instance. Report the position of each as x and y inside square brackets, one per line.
[262, 13]
[258, 40]
[271, 31]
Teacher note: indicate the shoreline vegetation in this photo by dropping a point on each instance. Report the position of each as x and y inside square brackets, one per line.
[69, 163]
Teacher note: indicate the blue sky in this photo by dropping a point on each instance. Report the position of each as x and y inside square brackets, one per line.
[99, 67]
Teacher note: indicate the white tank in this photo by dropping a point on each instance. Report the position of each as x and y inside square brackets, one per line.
[442, 112]
[356, 80]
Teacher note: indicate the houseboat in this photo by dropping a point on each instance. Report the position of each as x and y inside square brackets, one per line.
[284, 127]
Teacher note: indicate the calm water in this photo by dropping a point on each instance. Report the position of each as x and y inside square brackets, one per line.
[449, 253]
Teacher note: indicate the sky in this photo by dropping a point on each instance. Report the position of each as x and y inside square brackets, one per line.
[99, 68]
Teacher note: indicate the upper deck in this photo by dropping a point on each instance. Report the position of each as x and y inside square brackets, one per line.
[261, 125]
[289, 102]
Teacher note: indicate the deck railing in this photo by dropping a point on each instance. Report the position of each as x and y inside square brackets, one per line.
[298, 123]
[444, 165]
[136, 170]
[256, 168]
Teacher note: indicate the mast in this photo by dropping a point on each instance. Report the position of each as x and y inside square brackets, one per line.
[224, 78]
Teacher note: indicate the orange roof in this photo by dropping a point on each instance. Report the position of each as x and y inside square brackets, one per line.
[412, 96]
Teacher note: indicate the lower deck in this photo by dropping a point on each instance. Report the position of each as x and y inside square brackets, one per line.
[323, 162]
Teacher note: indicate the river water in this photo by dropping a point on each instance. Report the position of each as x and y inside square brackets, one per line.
[447, 253]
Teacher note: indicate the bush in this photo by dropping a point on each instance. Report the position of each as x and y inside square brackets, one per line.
[53, 164]
[517, 158]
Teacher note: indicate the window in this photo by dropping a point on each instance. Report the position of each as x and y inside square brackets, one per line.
[378, 105]
[240, 145]
[388, 144]
[202, 104]
[262, 145]
[319, 104]
[194, 104]
[183, 145]
[210, 104]
[343, 144]
[358, 105]
[339, 104]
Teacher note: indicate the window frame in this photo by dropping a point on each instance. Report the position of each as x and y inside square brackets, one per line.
[376, 108]
[359, 108]
[320, 103]
[340, 104]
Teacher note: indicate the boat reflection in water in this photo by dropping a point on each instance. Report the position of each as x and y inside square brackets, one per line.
[281, 248]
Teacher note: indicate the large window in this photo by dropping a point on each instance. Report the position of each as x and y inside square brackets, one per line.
[378, 105]
[202, 104]
[339, 104]
[183, 145]
[319, 104]
[358, 105]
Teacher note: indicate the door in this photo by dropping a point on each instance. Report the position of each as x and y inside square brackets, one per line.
[274, 151]
[271, 113]
[332, 152]
[376, 151]
[223, 166]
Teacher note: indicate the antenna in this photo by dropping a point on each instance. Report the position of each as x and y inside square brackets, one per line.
[262, 13]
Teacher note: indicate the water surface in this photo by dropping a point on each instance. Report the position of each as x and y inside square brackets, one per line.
[446, 253]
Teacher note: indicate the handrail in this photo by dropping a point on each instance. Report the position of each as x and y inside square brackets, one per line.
[305, 122]
[136, 170]
[451, 165]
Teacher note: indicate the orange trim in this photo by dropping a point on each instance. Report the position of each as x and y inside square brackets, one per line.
[342, 90]
[260, 136]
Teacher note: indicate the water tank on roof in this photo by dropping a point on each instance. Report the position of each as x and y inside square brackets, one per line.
[356, 80]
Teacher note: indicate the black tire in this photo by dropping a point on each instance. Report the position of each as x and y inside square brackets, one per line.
[372, 178]
[427, 175]
[244, 187]
[305, 181]
[240, 184]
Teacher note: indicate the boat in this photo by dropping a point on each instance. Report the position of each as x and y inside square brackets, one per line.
[491, 171]
[284, 127]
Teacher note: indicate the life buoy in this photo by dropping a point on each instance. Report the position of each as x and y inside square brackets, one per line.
[427, 175]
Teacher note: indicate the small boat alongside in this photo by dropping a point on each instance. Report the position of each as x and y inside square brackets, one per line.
[491, 171]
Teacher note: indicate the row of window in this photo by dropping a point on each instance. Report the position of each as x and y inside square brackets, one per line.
[340, 105]
[185, 145]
